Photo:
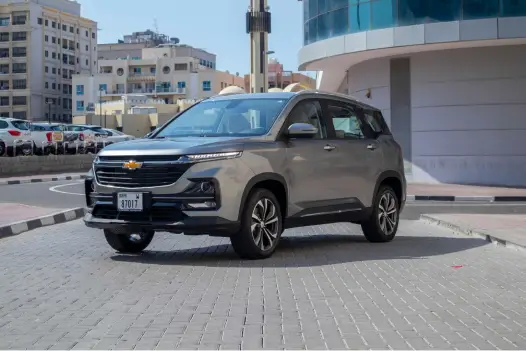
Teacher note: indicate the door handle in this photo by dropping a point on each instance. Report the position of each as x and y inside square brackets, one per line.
[372, 147]
[329, 147]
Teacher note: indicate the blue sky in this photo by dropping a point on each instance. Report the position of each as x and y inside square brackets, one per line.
[215, 25]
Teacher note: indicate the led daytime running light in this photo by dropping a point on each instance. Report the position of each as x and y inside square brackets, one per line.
[204, 157]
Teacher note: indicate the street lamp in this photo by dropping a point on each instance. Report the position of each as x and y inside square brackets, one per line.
[49, 102]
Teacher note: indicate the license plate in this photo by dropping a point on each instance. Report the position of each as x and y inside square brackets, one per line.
[130, 202]
[57, 136]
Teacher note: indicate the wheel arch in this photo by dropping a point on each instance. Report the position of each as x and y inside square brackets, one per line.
[394, 180]
[271, 181]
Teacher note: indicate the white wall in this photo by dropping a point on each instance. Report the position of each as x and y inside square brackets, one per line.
[468, 112]
[469, 116]
[373, 75]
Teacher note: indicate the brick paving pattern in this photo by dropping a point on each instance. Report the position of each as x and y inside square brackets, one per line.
[62, 287]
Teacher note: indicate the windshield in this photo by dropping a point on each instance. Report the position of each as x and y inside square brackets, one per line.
[236, 117]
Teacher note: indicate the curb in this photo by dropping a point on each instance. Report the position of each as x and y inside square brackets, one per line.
[44, 221]
[448, 198]
[41, 180]
[471, 232]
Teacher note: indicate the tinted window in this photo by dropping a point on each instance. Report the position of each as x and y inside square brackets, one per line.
[3, 125]
[38, 128]
[236, 117]
[56, 128]
[371, 118]
[345, 120]
[22, 125]
[308, 111]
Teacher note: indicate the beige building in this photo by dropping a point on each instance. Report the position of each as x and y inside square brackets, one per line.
[42, 44]
[168, 72]
[133, 114]
[280, 78]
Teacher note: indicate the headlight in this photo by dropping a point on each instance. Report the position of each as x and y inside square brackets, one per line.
[210, 157]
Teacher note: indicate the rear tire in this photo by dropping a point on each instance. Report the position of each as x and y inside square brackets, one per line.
[382, 225]
[129, 243]
[3, 149]
[261, 226]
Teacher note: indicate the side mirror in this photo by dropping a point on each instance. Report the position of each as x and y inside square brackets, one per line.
[302, 130]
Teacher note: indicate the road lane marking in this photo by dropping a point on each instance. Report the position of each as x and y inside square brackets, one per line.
[55, 189]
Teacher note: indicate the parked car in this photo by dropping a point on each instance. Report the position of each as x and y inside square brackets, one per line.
[97, 134]
[47, 138]
[114, 136]
[82, 140]
[16, 137]
[249, 166]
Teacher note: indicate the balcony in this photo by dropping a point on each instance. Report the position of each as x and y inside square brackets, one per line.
[141, 76]
[178, 91]
[142, 91]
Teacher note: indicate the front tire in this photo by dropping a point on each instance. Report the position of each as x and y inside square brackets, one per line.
[261, 226]
[129, 243]
[382, 225]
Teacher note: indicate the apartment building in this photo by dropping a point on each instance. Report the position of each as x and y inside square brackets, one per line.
[42, 44]
[170, 72]
[280, 78]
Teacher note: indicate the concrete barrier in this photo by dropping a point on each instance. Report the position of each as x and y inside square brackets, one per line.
[33, 165]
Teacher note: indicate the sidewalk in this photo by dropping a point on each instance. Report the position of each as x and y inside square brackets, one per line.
[508, 230]
[457, 192]
[19, 218]
[41, 178]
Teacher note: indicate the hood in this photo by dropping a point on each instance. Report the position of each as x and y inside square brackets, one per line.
[174, 146]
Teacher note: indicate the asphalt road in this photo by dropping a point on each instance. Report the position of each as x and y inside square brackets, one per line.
[62, 287]
[69, 194]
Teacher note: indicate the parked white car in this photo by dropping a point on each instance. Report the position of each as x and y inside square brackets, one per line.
[47, 138]
[15, 137]
[114, 136]
[79, 138]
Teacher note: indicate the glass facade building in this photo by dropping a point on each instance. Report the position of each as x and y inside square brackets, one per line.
[325, 19]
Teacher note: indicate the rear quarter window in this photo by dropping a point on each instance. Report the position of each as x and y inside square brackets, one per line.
[4, 125]
[22, 125]
[376, 121]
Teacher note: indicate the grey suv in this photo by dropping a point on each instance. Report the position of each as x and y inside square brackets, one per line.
[247, 167]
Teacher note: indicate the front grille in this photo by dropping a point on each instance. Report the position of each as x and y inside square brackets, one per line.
[158, 214]
[151, 174]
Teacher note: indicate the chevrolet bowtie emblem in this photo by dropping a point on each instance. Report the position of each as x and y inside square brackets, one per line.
[132, 165]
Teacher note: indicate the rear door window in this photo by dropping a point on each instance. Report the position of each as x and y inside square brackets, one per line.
[19, 124]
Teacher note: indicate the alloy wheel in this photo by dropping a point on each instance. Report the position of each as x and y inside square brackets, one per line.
[387, 213]
[265, 224]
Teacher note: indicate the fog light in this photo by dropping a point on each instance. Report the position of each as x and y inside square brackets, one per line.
[202, 205]
[201, 187]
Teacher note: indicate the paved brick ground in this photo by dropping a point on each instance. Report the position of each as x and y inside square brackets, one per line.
[61, 287]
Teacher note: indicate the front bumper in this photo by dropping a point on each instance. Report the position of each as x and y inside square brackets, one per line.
[214, 226]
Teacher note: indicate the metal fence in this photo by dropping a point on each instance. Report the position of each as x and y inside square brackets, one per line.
[27, 147]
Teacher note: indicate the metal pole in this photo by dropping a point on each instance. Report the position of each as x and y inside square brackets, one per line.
[258, 27]
[49, 111]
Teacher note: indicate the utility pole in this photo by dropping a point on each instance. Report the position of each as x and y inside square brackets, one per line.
[258, 27]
